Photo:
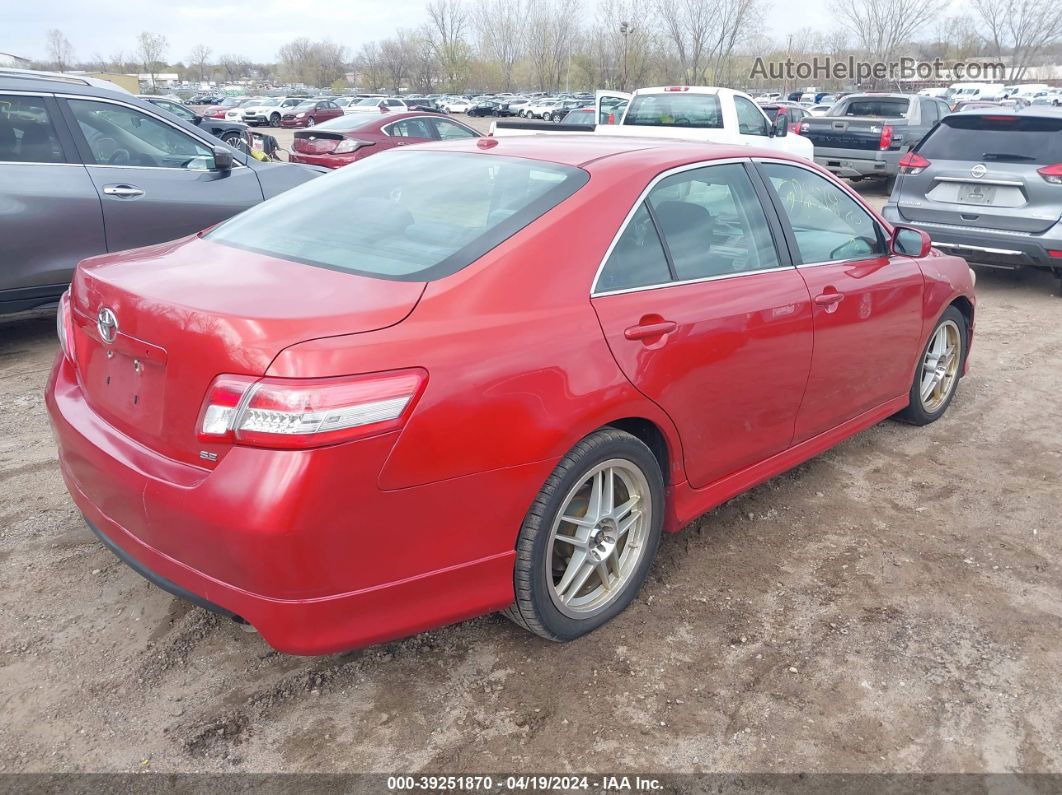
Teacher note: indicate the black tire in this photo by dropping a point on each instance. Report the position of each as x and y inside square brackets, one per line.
[274, 120]
[233, 139]
[916, 412]
[311, 121]
[534, 609]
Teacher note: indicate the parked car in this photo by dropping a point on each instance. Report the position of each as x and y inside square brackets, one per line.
[693, 113]
[536, 109]
[268, 110]
[865, 135]
[243, 447]
[488, 107]
[87, 170]
[792, 111]
[455, 105]
[820, 110]
[564, 107]
[235, 134]
[310, 112]
[988, 185]
[228, 103]
[377, 105]
[1053, 98]
[581, 117]
[341, 141]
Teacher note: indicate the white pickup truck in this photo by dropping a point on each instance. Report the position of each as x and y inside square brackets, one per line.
[697, 113]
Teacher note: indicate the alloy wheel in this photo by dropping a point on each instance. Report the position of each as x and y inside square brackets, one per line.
[940, 367]
[598, 538]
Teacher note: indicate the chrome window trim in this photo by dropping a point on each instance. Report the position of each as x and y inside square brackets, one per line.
[974, 181]
[36, 163]
[109, 101]
[859, 204]
[29, 93]
[630, 215]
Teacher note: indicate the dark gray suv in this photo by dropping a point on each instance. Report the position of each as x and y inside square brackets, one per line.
[987, 185]
[86, 170]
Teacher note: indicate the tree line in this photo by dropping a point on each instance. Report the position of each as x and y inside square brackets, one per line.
[548, 45]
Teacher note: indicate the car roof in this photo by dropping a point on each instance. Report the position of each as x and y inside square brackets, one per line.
[583, 150]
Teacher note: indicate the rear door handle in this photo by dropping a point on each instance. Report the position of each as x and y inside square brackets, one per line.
[123, 191]
[829, 299]
[646, 330]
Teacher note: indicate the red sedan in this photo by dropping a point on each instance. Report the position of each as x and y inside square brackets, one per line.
[310, 112]
[485, 375]
[356, 136]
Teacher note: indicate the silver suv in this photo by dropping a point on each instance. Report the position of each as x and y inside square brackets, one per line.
[987, 185]
[86, 170]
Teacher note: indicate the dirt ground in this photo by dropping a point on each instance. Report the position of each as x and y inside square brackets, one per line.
[892, 605]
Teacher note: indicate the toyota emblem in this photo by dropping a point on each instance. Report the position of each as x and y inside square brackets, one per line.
[107, 323]
[978, 171]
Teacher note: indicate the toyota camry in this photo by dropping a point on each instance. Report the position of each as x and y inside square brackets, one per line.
[485, 375]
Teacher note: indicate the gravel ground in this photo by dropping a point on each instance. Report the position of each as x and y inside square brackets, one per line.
[891, 605]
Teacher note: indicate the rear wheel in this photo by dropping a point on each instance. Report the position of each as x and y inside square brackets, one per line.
[938, 373]
[590, 537]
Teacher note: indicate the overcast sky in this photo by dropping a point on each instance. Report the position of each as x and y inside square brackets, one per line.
[101, 28]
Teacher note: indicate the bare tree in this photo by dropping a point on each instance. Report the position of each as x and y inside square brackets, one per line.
[882, 27]
[200, 58]
[1025, 28]
[316, 63]
[448, 25]
[396, 59]
[60, 51]
[235, 67]
[151, 48]
[551, 34]
[367, 63]
[622, 43]
[501, 28]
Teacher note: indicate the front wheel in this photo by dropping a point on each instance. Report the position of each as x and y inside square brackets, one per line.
[587, 544]
[274, 120]
[233, 139]
[939, 370]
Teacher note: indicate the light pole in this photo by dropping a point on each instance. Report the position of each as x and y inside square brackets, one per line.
[625, 30]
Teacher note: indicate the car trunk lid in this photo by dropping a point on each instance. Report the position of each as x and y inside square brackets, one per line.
[316, 142]
[182, 313]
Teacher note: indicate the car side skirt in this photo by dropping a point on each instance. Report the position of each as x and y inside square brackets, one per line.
[686, 503]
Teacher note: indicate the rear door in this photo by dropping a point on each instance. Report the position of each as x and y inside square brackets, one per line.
[606, 104]
[50, 214]
[867, 303]
[982, 172]
[706, 316]
[412, 130]
[155, 181]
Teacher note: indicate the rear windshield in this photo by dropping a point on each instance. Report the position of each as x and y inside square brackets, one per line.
[349, 122]
[1004, 138]
[884, 107]
[675, 110]
[407, 216]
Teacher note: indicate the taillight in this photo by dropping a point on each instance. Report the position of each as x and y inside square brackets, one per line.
[64, 326]
[805, 127]
[1052, 174]
[912, 163]
[348, 145]
[298, 413]
[886, 137]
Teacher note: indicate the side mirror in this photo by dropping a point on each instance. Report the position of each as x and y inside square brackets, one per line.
[223, 159]
[910, 242]
[780, 128]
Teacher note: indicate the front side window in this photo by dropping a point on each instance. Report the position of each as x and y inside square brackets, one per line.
[750, 120]
[713, 223]
[118, 135]
[675, 109]
[829, 225]
[404, 215]
[26, 131]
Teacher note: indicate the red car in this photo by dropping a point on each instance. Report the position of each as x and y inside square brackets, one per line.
[356, 136]
[485, 375]
[218, 111]
[308, 113]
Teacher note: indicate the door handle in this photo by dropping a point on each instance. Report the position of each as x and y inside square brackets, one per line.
[645, 330]
[123, 191]
[829, 299]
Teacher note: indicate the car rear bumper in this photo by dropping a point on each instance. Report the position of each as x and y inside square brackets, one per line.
[984, 246]
[850, 163]
[313, 572]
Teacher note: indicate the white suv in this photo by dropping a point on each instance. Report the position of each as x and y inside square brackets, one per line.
[268, 110]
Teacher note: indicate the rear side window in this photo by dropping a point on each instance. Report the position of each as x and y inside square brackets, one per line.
[408, 216]
[638, 258]
[884, 107]
[26, 131]
[1005, 138]
[675, 110]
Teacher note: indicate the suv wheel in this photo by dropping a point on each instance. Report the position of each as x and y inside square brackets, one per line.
[274, 120]
[233, 139]
[590, 537]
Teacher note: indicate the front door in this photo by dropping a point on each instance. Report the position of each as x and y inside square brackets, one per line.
[867, 302]
[707, 318]
[156, 182]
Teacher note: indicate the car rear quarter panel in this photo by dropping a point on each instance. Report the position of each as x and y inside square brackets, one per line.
[519, 369]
